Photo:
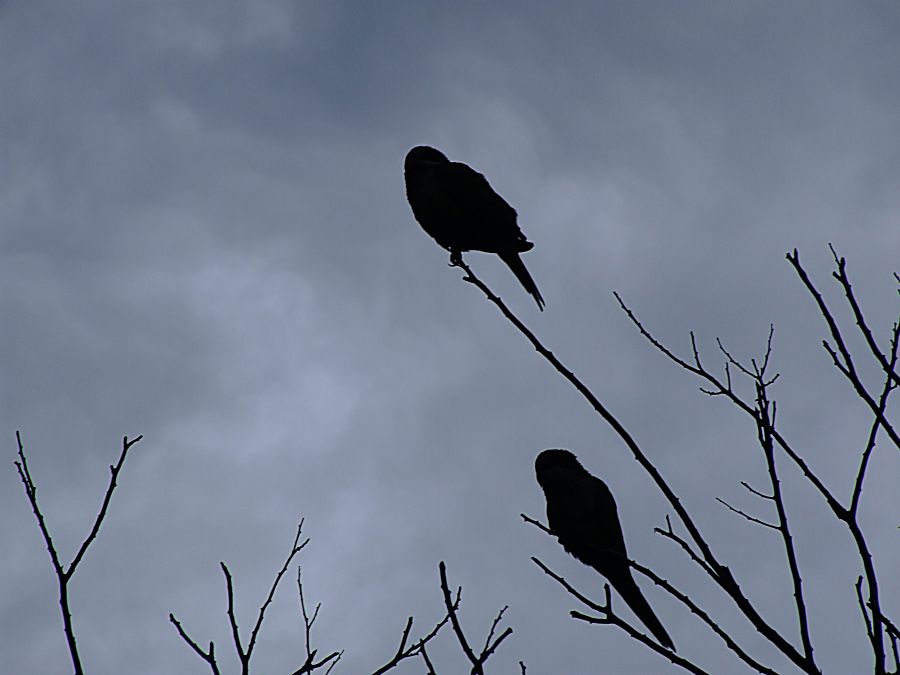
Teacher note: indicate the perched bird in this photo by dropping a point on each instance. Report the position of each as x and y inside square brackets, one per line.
[582, 514]
[460, 210]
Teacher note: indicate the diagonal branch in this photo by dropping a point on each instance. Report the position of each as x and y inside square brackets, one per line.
[745, 515]
[889, 386]
[703, 616]
[608, 616]
[678, 595]
[405, 651]
[723, 575]
[296, 547]
[208, 656]
[114, 474]
[724, 389]
[847, 368]
[669, 533]
[841, 276]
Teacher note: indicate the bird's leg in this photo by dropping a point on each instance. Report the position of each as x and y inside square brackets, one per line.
[455, 257]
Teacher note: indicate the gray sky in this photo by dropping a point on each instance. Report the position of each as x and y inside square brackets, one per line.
[205, 240]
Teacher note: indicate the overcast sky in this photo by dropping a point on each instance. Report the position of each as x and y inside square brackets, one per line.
[204, 239]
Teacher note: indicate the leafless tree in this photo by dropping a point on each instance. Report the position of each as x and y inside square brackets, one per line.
[407, 649]
[882, 633]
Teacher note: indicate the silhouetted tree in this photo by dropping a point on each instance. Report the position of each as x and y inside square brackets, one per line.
[882, 632]
[407, 648]
[599, 509]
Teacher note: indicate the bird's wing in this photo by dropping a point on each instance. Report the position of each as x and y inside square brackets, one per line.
[483, 220]
[586, 522]
[605, 516]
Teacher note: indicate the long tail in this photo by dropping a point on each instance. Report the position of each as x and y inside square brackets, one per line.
[631, 594]
[512, 259]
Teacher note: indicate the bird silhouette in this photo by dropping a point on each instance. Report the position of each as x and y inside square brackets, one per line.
[582, 514]
[460, 210]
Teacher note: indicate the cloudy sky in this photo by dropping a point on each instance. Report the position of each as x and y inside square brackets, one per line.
[204, 239]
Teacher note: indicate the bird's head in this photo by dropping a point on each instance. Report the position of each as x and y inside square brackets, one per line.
[423, 156]
[553, 466]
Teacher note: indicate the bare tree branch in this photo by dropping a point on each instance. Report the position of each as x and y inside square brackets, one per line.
[841, 276]
[669, 533]
[405, 651]
[848, 515]
[862, 606]
[608, 616]
[489, 647]
[208, 656]
[311, 664]
[65, 573]
[725, 389]
[723, 574]
[845, 363]
[244, 655]
[765, 425]
[296, 547]
[841, 512]
[752, 519]
[889, 386]
[424, 654]
[681, 597]
[759, 494]
[537, 524]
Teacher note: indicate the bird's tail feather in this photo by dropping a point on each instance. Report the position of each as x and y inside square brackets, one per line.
[512, 259]
[634, 598]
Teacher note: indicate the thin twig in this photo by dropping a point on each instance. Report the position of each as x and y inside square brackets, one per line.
[296, 547]
[752, 519]
[752, 490]
[669, 533]
[311, 664]
[862, 606]
[537, 524]
[208, 656]
[405, 651]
